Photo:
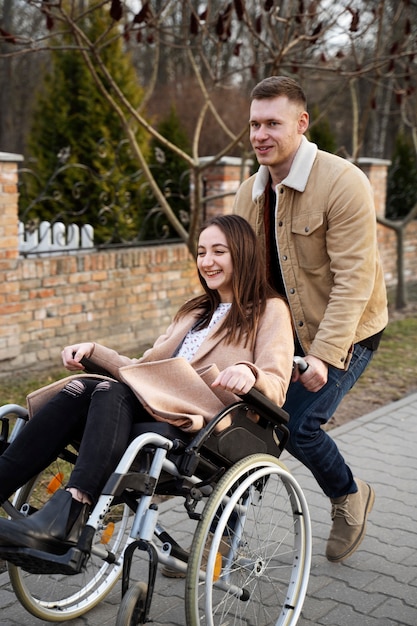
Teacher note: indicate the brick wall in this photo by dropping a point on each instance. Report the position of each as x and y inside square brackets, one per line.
[124, 298]
[376, 170]
[388, 249]
[221, 181]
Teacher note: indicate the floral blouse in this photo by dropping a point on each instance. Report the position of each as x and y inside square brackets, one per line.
[194, 338]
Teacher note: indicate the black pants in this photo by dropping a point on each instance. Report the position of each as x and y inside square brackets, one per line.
[99, 414]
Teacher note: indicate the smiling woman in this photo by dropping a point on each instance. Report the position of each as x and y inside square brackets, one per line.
[214, 262]
[235, 336]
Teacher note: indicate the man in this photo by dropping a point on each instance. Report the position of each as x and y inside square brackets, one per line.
[315, 215]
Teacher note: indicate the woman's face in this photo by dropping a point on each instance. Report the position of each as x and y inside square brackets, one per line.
[214, 262]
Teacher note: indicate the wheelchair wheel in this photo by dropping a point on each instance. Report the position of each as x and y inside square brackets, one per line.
[251, 553]
[132, 607]
[57, 597]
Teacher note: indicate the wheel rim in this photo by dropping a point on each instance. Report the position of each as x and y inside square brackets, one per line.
[59, 597]
[270, 558]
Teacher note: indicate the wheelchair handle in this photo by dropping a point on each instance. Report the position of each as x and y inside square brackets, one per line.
[265, 407]
[301, 364]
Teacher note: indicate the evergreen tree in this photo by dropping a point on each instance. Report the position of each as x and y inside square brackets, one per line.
[401, 182]
[76, 139]
[321, 134]
[171, 174]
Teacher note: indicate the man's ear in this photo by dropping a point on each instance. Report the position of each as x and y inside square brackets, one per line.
[303, 121]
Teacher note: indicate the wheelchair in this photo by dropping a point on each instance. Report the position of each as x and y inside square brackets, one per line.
[249, 553]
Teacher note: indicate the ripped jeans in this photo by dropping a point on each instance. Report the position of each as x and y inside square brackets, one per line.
[99, 414]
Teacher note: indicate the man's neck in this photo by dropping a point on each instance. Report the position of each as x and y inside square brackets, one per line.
[278, 176]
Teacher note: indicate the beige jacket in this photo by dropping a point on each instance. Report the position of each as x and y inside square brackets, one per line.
[326, 231]
[179, 392]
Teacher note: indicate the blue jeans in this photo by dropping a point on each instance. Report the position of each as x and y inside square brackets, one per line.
[308, 411]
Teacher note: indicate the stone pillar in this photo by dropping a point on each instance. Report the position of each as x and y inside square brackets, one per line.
[10, 306]
[221, 182]
[9, 223]
[377, 172]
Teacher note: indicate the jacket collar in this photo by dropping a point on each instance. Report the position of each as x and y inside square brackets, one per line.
[299, 172]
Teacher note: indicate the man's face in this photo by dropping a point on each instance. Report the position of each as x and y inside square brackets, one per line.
[276, 128]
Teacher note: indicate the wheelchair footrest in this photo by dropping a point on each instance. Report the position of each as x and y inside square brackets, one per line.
[39, 562]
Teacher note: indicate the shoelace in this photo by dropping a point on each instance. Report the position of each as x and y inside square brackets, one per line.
[341, 509]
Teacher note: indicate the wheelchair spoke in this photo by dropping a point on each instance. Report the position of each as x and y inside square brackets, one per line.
[264, 576]
[58, 597]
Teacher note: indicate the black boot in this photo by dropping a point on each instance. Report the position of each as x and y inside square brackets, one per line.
[54, 528]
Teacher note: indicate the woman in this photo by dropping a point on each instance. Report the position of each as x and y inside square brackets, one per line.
[236, 335]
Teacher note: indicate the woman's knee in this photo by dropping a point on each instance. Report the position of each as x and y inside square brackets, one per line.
[113, 388]
[74, 388]
[78, 388]
[116, 399]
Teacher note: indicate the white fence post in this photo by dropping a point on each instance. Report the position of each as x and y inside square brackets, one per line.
[56, 238]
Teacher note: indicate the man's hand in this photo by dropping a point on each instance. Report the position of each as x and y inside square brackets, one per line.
[72, 355]
[315, 376]
[238, 379]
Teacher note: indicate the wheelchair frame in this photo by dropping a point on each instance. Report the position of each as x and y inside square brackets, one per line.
[250, 504]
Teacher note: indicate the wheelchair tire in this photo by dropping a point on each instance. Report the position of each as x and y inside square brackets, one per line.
[132, 606]
[254, 543]
[58, 598]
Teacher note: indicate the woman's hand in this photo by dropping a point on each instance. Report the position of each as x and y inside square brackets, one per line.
[238, 379]
[72, 355]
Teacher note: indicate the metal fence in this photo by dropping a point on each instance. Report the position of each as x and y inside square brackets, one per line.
[105, 203]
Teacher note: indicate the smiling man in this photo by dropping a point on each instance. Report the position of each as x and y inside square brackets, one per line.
[315, 215]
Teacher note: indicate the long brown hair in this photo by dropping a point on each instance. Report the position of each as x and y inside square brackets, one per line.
[249, 284]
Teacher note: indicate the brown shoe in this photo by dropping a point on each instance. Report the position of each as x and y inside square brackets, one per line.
[349, 516]
[170, 572]
[224, 547]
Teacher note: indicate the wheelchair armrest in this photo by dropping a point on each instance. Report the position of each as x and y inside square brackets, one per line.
[253, 400]
[265, 407]
[93, 368]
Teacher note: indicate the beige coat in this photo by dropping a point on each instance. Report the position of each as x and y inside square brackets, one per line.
[325, 226]
[179, 392]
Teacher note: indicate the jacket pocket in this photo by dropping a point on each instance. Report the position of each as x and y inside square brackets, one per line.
[309, 236]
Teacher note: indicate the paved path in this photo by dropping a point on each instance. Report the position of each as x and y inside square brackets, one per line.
[377, 586]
